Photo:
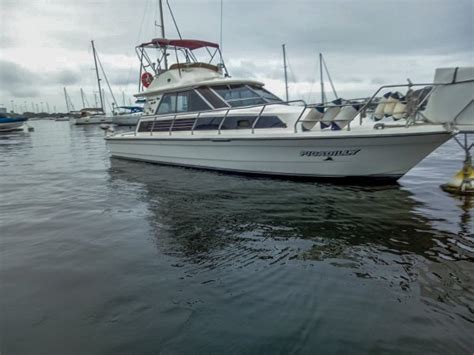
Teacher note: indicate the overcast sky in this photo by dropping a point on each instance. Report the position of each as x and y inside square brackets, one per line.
[45, 45]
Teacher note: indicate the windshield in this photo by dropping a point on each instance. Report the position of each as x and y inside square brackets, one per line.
[244, 95]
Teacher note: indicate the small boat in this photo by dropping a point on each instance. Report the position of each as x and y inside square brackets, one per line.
[91, 115]
[9, 124]
[127, 115]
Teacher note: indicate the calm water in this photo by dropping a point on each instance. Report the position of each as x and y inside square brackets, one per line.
[102, 256]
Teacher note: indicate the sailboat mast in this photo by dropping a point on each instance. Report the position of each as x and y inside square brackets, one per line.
[82, 97]
[163, 32]
[65, 97]
[323, 96]
[97, 74]
[286, 74]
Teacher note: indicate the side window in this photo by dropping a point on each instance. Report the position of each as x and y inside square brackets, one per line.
[182, 102]
[238, 122]
[207, 123]
[270, 122]
[167, 104]
[186, 101]
[145, 126]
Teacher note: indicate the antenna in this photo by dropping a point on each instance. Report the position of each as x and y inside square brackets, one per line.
[284, 68]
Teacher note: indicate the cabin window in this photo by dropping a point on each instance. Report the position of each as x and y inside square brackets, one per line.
[238, 95]
[265, 94]
[212, 98]
[145, 126]
[207, 123]
[185, 101]
[270, 122]
[167, 104]
[238, 122]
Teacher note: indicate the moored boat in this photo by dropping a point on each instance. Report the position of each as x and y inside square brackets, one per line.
[127, 115]
[196, 115]
[8, 124]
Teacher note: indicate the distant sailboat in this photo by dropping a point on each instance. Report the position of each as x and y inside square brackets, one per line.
[93, 115]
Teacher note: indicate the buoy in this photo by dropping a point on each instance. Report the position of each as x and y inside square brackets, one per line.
[463, 182]
[331, 112]
[315, 115]
[391, 103]
[344, 116]
[379, 110]
[400, 109]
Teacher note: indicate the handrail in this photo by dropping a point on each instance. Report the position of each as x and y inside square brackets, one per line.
[258, 117]
[223, 119]
[172, 124]
[195, 122]
[299, 117]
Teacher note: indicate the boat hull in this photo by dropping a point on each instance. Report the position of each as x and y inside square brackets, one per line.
[388, 156]
[11, 124]
[125, 120]
[91, 120]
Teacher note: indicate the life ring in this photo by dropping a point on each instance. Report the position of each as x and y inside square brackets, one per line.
[147, 78]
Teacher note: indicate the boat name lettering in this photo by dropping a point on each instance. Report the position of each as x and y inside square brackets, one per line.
[329, 153]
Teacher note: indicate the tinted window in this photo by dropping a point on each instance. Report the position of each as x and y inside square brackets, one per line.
[234, 92]
[145, 126]
[207, 123]
[167, 104]
[186, 101]
[183, 124]
[247, 102]
[270, 122]
[265, 94]
[238, 122]
[212, 98]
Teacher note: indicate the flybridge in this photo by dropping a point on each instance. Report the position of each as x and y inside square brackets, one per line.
[156, 55]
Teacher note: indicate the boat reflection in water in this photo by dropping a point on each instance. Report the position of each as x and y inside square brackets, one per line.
[311, 240]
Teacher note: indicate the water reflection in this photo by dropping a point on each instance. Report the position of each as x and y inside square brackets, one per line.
[211, 221]
[198, 212]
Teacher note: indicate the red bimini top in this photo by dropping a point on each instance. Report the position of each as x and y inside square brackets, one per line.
[190, 44]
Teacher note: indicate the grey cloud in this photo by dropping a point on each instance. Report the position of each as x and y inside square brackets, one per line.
[66, 77]
[17, 81]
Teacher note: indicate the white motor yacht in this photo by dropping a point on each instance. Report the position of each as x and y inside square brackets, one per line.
[197, 116]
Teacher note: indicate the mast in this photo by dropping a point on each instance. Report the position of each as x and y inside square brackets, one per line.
[323, 96]
[82, 97]
[163, 32]
[97, 74]
[286, 74]
[67, 101]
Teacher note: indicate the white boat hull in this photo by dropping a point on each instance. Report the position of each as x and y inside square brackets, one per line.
[379, 156]
[126, 120]
[91, 120]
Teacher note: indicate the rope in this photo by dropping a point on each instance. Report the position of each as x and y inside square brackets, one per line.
[174, 20]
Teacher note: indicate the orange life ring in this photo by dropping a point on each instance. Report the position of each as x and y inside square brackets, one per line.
[147, 78]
